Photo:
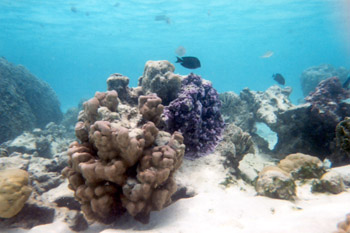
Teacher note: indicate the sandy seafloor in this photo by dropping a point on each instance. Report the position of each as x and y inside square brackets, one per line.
[235, 208]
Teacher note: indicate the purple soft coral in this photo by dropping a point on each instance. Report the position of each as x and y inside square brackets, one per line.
[196, 114]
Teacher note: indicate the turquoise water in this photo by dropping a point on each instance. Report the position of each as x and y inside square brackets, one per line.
[76, 45]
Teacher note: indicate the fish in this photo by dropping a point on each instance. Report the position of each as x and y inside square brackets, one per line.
[180, 51]
[279, 78]
[73, 9]
[162, 18]
[346, 83]
[268, 54]
[189, 62]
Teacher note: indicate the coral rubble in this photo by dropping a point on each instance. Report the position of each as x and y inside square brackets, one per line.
[196, 114]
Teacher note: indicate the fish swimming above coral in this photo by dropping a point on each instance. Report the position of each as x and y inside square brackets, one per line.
[189, 62]
[279, 78]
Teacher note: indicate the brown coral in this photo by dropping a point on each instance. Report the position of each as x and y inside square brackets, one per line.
[344, 226]
[302, 166]
[118, 165]
[151, 108]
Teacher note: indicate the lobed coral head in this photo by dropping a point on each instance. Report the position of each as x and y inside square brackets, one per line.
[119, 165]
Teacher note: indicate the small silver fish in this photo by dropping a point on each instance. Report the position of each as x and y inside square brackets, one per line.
[268, 54]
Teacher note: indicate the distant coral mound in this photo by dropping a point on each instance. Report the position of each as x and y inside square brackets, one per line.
[26, 102]
[312, 76]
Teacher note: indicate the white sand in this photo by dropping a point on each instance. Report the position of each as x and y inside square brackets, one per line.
[233, 209]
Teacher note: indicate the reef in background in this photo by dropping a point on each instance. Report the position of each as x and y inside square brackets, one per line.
[312, 76]
[26, 102]
[308, 128]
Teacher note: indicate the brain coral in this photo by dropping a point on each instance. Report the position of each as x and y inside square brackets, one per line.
[14, 191]
[196, 114]
[121, 163]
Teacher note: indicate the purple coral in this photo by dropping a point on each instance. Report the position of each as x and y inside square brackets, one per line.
[327, 101]
[196, 114]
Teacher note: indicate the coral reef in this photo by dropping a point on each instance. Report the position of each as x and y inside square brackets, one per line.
[312, 76]
[26, 102]
[307, 128]
[251, 106]
[196, 114]
[235, 109]
[342, 133]
[14, 191]
[275, 183]
[302, 166]
[119, 83]
[344, 226]
[252, 164]
[123, 161]
[151, 108]
[331, 182]
[310, 128]
[158, 77]
[280, 181]
[234, 145]
[326, 101]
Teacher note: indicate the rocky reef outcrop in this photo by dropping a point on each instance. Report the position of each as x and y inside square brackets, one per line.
[26, 102]
[308, 128]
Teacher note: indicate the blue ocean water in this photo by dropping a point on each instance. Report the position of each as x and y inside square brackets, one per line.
[75, 45]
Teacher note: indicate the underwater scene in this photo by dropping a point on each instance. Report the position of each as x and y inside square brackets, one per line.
[175, 116]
